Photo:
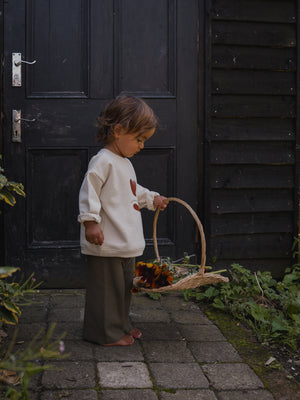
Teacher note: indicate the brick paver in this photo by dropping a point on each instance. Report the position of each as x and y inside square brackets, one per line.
[181, 355]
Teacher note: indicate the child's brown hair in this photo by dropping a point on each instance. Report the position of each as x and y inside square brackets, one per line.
[131, 112]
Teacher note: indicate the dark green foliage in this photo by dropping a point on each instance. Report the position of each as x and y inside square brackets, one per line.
[13, 294]
[271, 308]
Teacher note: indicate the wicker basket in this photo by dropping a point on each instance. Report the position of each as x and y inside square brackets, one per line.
[191, 281]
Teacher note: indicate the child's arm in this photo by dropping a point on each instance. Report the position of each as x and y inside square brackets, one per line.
[160, 202]
[90, 204]
[93, 232]
[149, 199]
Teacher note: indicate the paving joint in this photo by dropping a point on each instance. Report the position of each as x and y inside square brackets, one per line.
[181, 355]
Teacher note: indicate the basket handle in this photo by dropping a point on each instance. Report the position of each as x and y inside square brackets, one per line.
[200, 227]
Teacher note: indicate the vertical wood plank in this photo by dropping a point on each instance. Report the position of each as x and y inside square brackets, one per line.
[297, 161]
[101, 49]
[187, 94]
[1, 120]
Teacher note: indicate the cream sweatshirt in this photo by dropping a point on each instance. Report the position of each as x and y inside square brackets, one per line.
[110, 196]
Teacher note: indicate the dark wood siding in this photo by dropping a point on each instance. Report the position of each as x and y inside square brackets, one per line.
[1, 122]
[251, 132]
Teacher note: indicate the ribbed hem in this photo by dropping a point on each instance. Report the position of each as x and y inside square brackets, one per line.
[111, 253]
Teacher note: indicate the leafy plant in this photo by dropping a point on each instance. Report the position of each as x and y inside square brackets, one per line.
[271, 308]
[17, 368]
[10, 293]
[13, 294]
[9, 188]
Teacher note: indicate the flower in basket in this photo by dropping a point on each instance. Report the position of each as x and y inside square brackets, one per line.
[152, 275]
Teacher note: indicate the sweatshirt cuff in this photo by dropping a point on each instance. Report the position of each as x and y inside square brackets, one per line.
[150, 200]
[89, 217]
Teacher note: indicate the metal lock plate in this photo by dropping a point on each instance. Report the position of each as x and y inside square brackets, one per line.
[16, 126]
[16, 70]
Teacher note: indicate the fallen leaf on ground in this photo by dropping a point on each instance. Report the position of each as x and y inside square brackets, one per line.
[9, 377]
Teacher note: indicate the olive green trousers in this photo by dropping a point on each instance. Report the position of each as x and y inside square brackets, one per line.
[108, 295]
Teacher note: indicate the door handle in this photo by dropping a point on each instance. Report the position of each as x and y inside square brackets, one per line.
[16, 125]
[17, 63]
[17, 69]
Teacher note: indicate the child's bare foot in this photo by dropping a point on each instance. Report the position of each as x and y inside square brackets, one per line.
[126, 340]
[136, 333]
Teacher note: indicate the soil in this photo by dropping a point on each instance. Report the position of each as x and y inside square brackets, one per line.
[289, 360]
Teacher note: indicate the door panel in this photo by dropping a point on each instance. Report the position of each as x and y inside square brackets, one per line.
[54, 228]
[57, 35]
[145, 41]
[87, 52]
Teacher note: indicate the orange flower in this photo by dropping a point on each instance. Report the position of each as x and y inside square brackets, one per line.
[153, 275]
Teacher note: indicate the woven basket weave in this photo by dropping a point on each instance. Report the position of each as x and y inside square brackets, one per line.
[191, 281]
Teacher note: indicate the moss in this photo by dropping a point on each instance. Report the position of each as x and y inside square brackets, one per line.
[274, 377]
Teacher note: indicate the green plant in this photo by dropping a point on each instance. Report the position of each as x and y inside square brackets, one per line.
[13, 294]
[271, 308]
[9, 188]
[18, 368]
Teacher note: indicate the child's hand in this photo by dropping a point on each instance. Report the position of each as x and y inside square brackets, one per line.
[93, 232]
[160, 202]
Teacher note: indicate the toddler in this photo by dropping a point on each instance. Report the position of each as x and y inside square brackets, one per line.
[110, 200]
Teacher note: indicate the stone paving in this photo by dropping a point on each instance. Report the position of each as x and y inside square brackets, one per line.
[182, 355]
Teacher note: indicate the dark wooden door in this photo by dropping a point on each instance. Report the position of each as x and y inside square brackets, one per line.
[86, 53]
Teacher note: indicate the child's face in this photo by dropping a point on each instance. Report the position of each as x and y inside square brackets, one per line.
[129, 144]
